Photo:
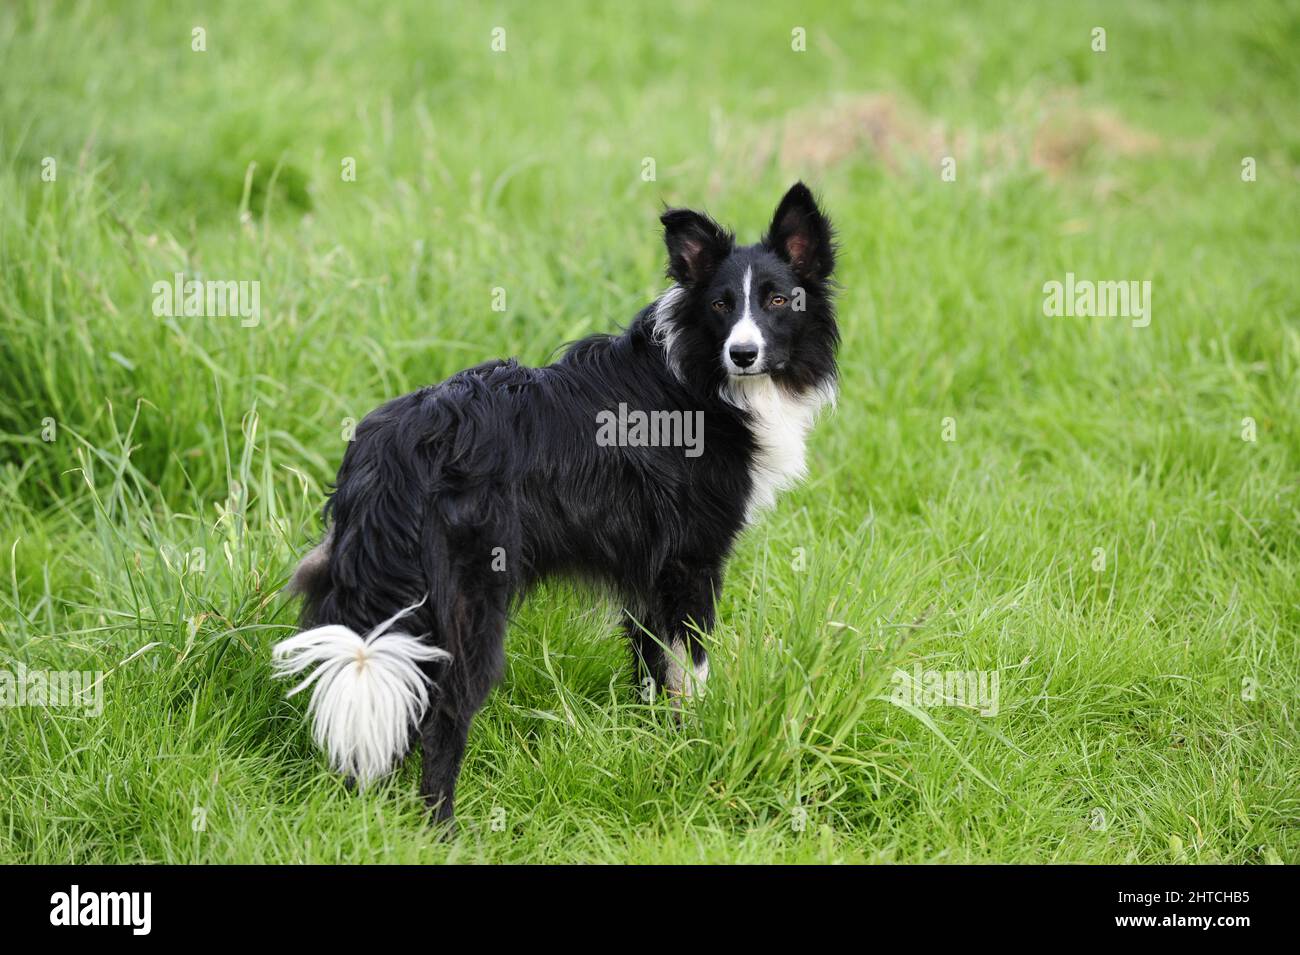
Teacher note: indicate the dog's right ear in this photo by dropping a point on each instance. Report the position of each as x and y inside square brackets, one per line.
[696, 246]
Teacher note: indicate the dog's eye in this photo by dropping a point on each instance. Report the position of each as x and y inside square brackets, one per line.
[777, 301]
[720, 306]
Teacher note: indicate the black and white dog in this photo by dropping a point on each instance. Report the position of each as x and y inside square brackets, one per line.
[452, 501]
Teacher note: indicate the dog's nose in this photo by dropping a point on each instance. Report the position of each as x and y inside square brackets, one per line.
[743, 355]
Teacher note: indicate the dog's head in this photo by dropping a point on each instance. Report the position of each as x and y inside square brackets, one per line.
[743, 311]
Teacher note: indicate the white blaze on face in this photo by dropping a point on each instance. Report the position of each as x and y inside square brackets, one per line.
[744, 332]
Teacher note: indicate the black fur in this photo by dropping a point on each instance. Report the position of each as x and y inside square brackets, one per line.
[470, 491]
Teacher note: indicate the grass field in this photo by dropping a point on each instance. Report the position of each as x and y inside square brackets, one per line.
[1102, 513]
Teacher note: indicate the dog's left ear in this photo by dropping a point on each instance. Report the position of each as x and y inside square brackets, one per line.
[802, 236]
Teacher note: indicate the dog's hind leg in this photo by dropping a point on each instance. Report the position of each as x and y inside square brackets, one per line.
[442, 740]
[311, 579]
[480, 624]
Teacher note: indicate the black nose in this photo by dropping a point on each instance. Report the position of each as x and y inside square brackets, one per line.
[742, 356]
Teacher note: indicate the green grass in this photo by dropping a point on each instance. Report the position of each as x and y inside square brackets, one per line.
[1147, 710]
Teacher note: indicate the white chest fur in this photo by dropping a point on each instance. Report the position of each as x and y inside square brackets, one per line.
[780, 423]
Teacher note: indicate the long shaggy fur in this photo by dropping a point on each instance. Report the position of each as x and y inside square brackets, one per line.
[452, 501]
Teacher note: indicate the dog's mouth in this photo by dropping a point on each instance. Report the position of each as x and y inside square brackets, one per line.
[756, 366]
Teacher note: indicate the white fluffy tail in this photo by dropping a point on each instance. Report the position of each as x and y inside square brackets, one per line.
[369, 693]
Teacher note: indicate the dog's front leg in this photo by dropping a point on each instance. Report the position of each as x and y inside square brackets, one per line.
[672, 656]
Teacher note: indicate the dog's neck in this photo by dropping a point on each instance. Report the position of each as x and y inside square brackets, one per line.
[780, 421]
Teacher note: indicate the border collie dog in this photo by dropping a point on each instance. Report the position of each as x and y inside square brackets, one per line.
[453, 500]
